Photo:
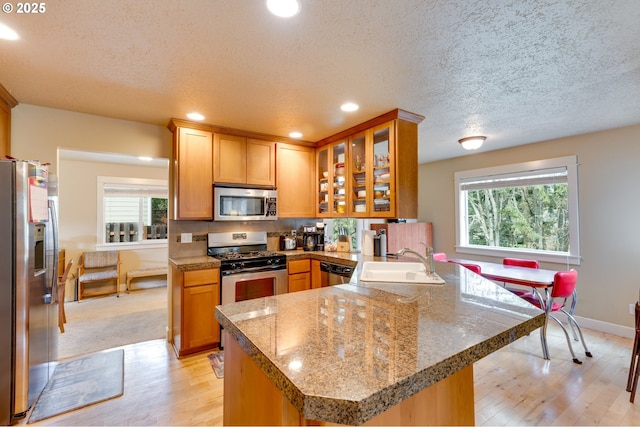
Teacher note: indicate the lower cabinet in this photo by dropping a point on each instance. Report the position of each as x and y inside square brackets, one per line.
[299, 272]
[195, 296]
[316, 278]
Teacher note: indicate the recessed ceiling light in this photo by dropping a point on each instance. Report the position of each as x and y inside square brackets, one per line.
[349, 107]
[283, 8]
[145, 159]
[295, 135]
[7, 33]
[195, 116]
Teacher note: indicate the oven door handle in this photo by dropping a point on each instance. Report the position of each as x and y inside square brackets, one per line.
[254, 270]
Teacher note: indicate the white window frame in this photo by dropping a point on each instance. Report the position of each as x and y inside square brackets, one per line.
[100, 225]
[571, 258]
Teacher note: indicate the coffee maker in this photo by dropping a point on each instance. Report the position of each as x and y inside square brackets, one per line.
[313, 237]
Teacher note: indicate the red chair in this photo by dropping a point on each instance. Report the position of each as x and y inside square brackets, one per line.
[519, 262]
[564, 284]
[439, 256]
[473, 267]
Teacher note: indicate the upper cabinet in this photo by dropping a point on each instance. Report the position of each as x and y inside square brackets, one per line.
[295, 175]
[367, 171]
[192, 174]
[241, 160]
[7, 102]
[333, 197]
[370, 170]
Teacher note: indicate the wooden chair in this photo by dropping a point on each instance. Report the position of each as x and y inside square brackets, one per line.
[634, 369]
[62, 283]
[103, 266]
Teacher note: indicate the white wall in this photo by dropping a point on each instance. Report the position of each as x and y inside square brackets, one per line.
[38, 132]
[609, 197]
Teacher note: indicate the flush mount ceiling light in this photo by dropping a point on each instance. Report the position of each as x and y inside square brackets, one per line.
[295, 135]
[195, 116]
[283, 8]
[349, 107]
[7, 33]
[472, 142]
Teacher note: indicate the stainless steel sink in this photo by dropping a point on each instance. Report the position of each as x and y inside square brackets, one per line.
[397, 272]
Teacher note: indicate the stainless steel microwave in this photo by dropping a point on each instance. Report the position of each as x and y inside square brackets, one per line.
[244, 204]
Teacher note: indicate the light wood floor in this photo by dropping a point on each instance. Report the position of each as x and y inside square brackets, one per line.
[513, 386]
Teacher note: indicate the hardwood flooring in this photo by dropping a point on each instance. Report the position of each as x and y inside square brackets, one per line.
[513, 386]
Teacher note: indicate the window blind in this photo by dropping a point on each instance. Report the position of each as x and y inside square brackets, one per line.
[549, 176]
[121, 190]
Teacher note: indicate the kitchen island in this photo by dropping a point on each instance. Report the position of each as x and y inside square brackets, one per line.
[367, 353]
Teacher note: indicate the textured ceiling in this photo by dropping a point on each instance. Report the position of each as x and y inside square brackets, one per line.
[515, 71]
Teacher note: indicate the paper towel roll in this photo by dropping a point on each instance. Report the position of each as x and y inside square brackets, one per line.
[367, 242]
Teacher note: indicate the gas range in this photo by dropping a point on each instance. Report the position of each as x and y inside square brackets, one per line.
[242, 252]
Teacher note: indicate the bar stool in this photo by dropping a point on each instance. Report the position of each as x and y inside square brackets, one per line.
[634, 369]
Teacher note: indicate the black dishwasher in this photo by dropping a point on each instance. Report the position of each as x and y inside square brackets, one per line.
[334, 274]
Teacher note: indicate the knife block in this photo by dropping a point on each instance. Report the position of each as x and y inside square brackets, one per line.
[344, 244]
[343, 247]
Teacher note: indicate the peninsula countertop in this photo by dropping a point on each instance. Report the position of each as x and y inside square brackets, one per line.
[347, 353]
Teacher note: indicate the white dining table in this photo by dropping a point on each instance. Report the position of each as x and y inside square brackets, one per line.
[537, 279]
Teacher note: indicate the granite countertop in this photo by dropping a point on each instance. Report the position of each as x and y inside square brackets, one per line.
[347, 353]
[195, 263]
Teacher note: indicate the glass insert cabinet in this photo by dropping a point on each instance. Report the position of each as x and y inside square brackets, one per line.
[357, 174]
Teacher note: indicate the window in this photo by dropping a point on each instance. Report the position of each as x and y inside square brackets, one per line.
[526, 209]
[352, 227]
[132, 212]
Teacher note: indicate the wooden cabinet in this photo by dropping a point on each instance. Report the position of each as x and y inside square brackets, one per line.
[316, 278]
[7, 102]
[299, 272]
[195, 295]
[370, 170]
[333, 189]
[240, 160]
[192, 174]
[295, 178]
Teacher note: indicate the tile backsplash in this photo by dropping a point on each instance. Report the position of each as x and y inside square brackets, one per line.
[200, 229]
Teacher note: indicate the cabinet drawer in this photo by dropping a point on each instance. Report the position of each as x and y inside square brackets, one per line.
[299, 282]
[201, 277]
[299, 266]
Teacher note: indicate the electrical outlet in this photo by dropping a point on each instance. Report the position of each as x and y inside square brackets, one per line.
[632, 309]
[185, 238]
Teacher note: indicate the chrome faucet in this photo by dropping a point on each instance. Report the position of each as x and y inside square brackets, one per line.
[427, 261]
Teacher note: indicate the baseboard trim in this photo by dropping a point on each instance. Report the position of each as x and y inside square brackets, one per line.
[609, 328]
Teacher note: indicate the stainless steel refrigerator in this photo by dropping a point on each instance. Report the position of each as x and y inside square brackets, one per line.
[28, 285]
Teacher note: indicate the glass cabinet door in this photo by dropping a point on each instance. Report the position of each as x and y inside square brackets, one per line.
[338, 194]
[324, 174]
[360, 189]
[382, 158]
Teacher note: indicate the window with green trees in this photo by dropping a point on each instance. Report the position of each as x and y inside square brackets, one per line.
[528, 207]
